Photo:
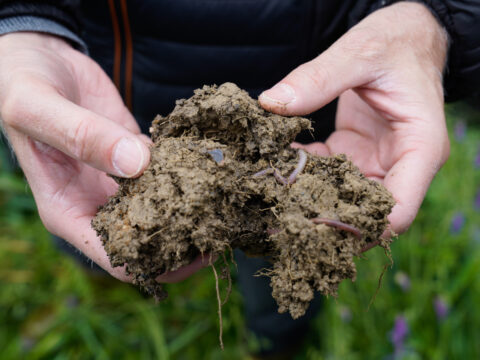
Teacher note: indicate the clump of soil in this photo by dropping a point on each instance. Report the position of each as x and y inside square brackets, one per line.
[219, 179]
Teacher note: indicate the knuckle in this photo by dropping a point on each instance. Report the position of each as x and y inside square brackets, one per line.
[443, 145]
[18, 98]
[445, 154]
[14, 106]
[440, 152]
[77, 140]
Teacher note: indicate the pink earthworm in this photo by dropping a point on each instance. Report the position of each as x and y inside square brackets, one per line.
[293, 176]
[276, 173]
[369, 246]
[273, 231]
[279, 177]
[339, 225]
[302, 161]
[262, 172]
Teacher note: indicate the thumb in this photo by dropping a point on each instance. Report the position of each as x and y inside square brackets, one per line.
[78, 132]
[345, 65]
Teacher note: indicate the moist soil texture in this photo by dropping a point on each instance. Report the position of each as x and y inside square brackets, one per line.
[223, 176]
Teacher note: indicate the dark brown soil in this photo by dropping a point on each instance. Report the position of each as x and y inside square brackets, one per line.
[200, 196]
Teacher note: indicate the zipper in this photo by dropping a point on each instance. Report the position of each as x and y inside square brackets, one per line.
[123, 50]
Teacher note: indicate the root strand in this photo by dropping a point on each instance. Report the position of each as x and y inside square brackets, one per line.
[219, 301]
[385, 268]
[229, 278]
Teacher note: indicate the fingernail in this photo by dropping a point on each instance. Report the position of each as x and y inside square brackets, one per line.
[128, 157]
[282, 94]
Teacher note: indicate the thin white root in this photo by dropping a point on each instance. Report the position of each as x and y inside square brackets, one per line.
[219, 301]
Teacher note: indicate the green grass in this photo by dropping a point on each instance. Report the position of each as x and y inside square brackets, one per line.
[50, 308]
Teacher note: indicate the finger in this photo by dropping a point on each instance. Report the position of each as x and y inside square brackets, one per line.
[78, 132]
[316, 148]
[83, 237]
[312, 85]
[408, 181]
[123, 117]
[111, 106]
[186, 271]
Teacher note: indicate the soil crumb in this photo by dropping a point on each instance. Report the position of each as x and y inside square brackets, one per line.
[223, 176]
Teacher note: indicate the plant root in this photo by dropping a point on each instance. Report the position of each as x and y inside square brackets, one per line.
[384, 270]
[388, 254]
[229, 279]
[219, 301]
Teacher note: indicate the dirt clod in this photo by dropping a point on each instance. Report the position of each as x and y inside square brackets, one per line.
[214, 184]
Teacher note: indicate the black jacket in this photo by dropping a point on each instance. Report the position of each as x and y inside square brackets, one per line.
[160, 50]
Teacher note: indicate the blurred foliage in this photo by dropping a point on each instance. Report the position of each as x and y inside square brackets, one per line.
[52, 308]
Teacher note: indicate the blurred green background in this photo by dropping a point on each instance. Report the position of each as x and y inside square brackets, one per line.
[427, 307]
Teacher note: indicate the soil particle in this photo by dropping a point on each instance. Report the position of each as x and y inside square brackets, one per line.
[214, 184]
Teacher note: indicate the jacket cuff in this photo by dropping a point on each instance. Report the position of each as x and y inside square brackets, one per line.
[38, 24]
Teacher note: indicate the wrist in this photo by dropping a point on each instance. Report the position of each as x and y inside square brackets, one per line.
[421, 30]
[32, 39]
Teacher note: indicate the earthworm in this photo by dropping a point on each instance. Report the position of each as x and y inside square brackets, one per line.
[273, 231]
[279, 177]
[262, 172]
[300, 166]
[293, 176]
[369, 246]
[339, 225]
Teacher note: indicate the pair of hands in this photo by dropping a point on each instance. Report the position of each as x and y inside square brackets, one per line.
[69, 127]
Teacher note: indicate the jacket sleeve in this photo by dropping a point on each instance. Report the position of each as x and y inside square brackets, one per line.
[461, 19]
[53, 17]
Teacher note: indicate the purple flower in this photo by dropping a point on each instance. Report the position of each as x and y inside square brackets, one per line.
[399, 334]
[457, 223]
[71, 301]
[460, 130]
[477, 159]
[476, 203]
[475, 235]
[26, 343]
[402, 280]
[345, 314]
[441, 308]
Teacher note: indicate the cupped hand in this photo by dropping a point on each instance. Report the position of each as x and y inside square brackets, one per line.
[387, 72]
[69, 127]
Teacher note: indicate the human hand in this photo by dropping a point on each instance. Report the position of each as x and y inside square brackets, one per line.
[69, 127]
[390, 120]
